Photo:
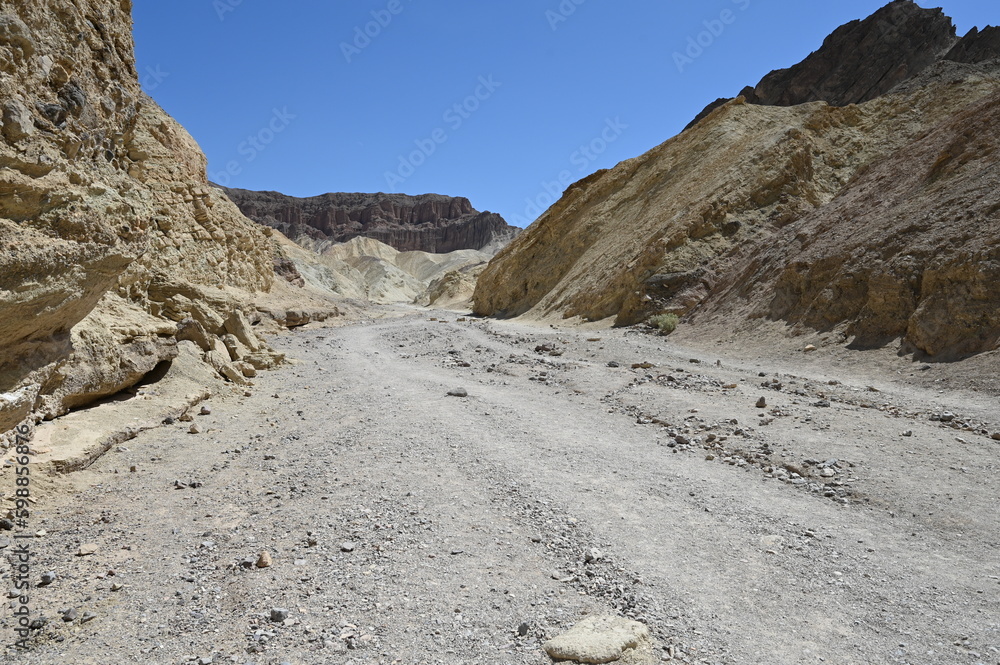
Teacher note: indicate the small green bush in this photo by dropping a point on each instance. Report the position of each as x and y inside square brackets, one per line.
[665, 323]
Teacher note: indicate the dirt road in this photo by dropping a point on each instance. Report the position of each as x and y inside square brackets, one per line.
[839, 523]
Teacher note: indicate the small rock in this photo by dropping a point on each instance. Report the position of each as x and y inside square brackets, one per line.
[117, 587]
[823, 403]
[6, 525]
[264, 560]
[908, 432]
[593, 555]
[522, 630]
[827, 472]
[48, 578]
[169, 420]
[809, 348]
[762, 403]
[278, 614]
[205, 411]
[613, 364]
[87, 550]
[347, 546]
[947, 417]
[38, 623]
[709, 458]
[996, 436]
[195, 429]
[602, 639]
[458, 392]
[69, 615]
[682, 440]
[87, 616]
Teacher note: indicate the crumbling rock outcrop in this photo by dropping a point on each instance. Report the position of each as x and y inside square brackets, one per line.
[428, 223]
[864, 59]
[879, 219]
[110, 234]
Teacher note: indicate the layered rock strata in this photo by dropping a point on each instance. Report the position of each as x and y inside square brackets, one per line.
[427, 223]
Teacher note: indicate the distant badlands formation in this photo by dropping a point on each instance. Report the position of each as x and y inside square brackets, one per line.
[855, 192]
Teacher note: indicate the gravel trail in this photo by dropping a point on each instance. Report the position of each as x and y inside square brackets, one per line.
[405, 525]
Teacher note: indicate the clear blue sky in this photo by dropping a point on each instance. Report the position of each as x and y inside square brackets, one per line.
[293, 96]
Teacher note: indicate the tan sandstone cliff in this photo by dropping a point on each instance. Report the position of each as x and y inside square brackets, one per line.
[110, 235]
[879, 218]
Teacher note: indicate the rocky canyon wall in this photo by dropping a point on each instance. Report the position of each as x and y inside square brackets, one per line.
[881, 219]
[110, 235]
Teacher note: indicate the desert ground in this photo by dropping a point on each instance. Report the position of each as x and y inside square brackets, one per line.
[850, 518]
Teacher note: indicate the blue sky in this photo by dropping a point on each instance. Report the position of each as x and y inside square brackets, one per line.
[504, 103]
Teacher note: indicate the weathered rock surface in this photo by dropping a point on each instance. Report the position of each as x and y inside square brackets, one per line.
[427, 223]
[880, 219]
[110, 233]
[865, 59]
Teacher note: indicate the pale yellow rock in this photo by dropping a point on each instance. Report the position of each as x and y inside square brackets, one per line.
[603, 639]
[236, 349]
[238, 326]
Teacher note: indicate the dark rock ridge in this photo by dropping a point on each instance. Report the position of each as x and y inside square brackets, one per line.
[865, 59]
[429, 223]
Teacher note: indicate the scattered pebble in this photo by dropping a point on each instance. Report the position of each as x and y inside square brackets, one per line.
[264, 560]
[458, 392]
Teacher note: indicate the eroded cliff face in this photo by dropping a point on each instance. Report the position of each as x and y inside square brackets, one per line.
[880, 218]
[109, 231]
[426, 223]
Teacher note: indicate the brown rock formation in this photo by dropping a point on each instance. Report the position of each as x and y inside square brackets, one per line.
[880, 219]
[427, 223]
[109, 231]
[864, 59]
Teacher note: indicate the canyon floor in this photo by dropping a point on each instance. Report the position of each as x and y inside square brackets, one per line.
[850, 520]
